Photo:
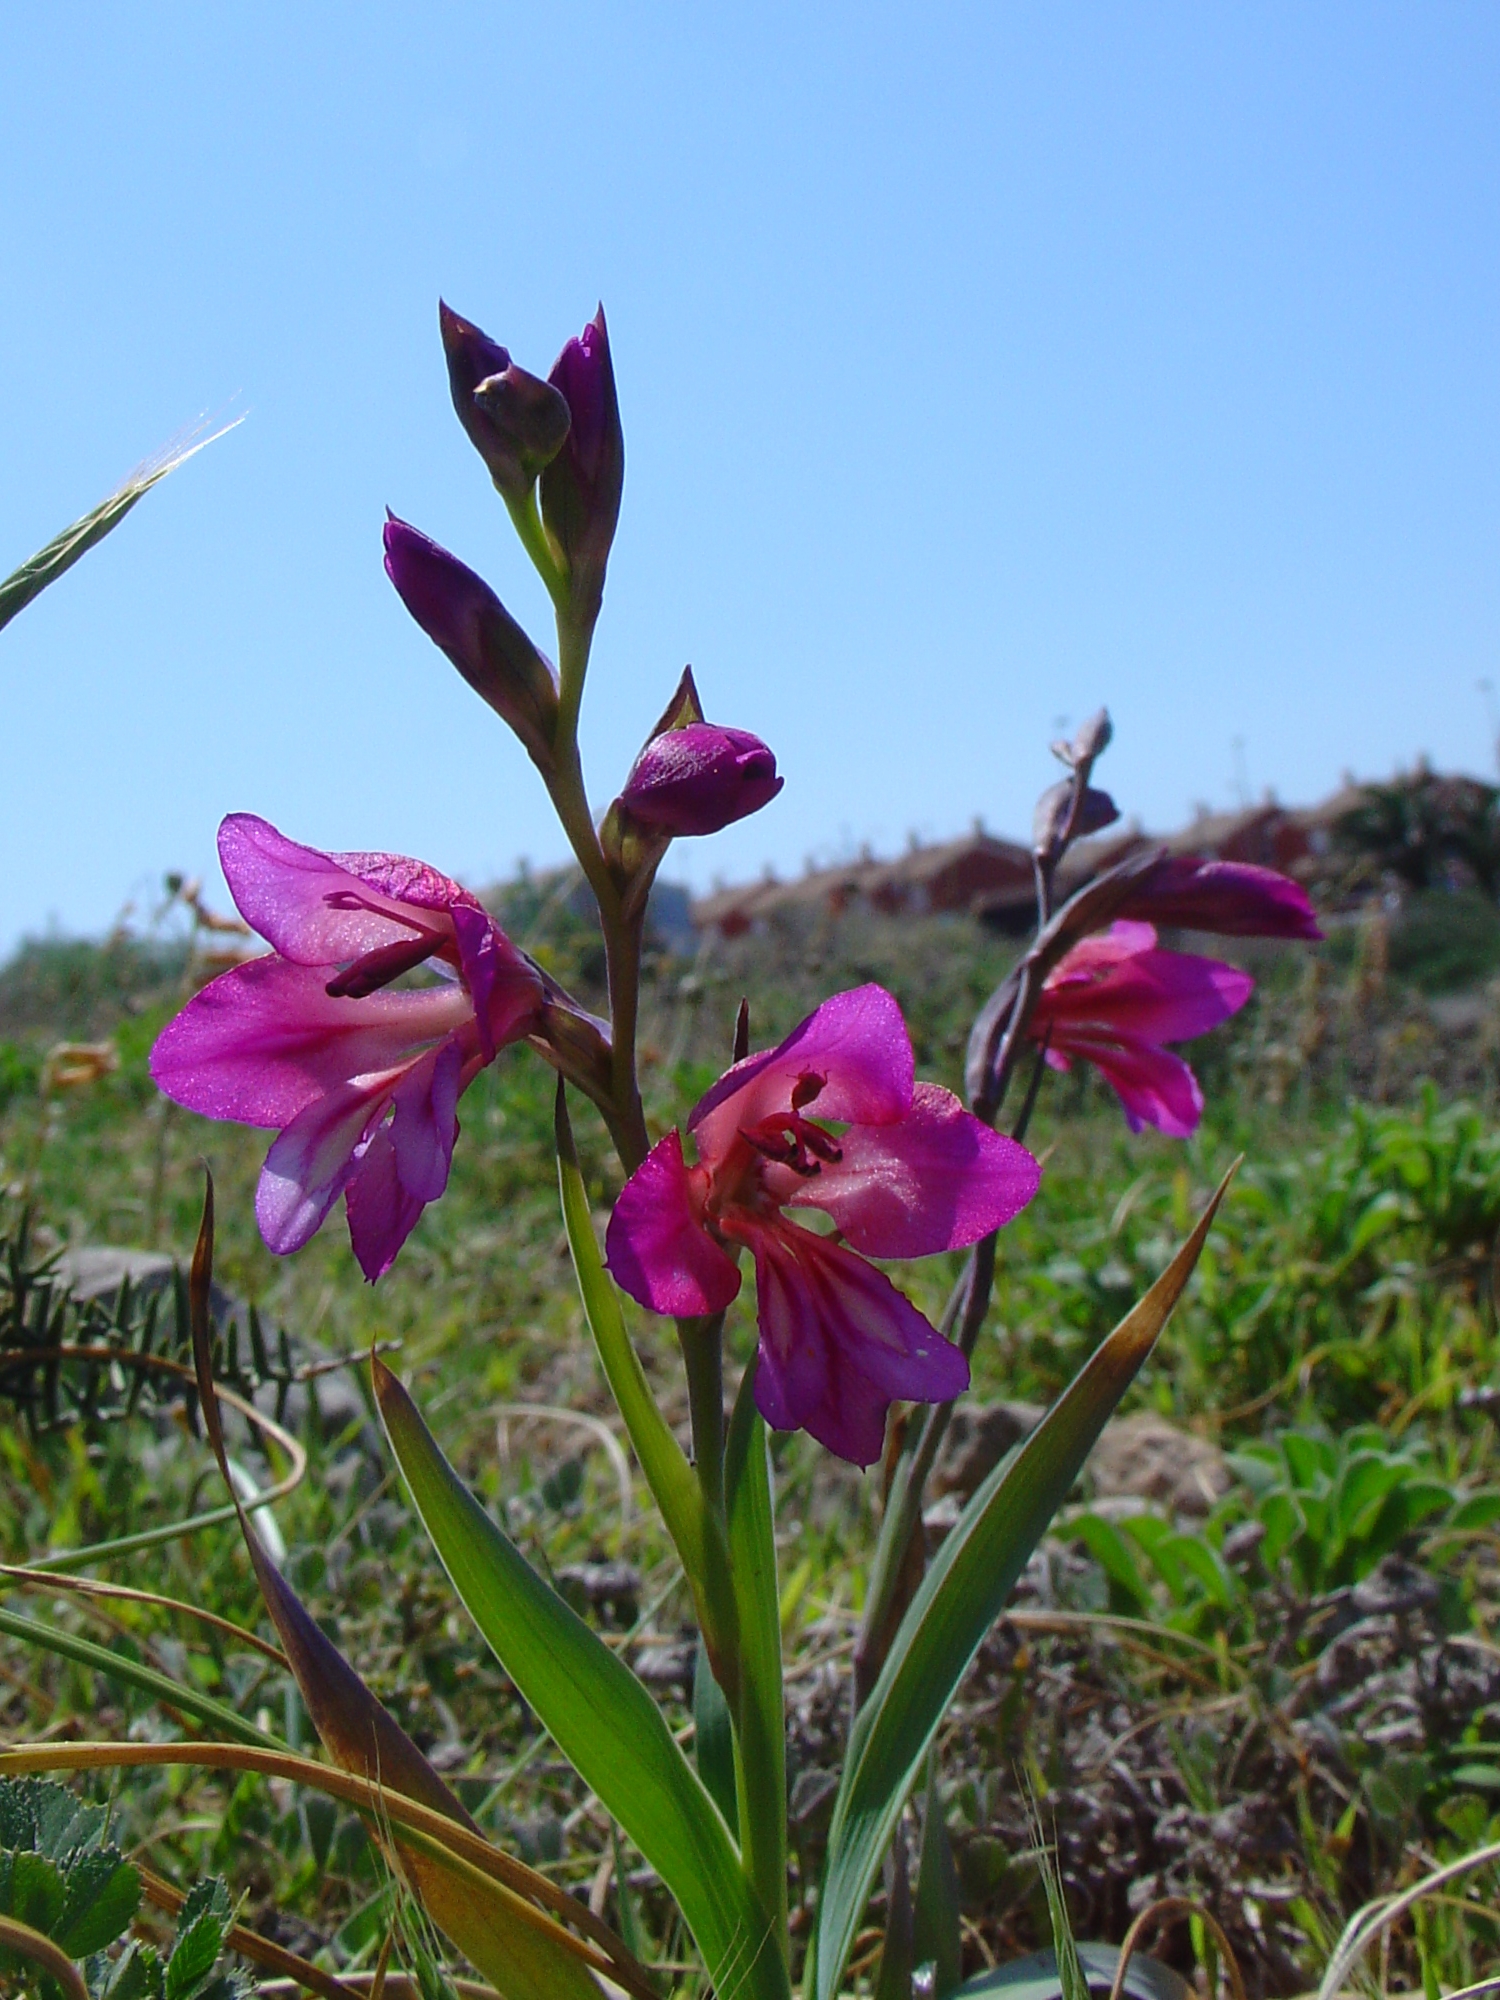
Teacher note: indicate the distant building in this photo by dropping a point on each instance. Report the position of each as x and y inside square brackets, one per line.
[991, 878]
[958, 875]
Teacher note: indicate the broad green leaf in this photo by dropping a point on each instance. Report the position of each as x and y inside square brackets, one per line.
[1114, 1556]
[599, 1714]
[1035, 1977]
[1204, 1562]
[897, 1950]
[1311, 1461]
[1480, 1510]
[60, 554]
[697, 1534]
[1284, 1524]
[761, 1735]
[103, 1894]
[32, 1890]
[490, 1923]
[960, 1598]
[937, 1938]
[713, 1739]
[1362, 1488]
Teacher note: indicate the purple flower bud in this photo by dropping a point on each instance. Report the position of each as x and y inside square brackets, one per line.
[515, 421]
[1228, 898]
[460, 613]
[699, 779]
[1054, 810]
[581, 487]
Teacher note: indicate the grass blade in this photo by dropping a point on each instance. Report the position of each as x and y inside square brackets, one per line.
[60, 554]
[134, 1673]
[450, 1845]
[601, 1717]
[961, 1596]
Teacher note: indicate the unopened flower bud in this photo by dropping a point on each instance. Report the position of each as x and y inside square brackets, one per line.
[460, 613]
[515, 421]
[1093, 738]
[1050, 830]
[700, 778]
[581, 487]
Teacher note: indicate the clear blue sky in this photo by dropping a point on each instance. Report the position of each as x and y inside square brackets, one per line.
[978, 364]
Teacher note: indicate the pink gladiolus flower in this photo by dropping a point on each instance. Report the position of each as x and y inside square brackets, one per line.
[1229, 898]
[363, 1082]
[905, 1172]
[1116, 998]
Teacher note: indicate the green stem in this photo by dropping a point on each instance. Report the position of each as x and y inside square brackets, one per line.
[538, 545]
[702, 1342]
[622, 932]
[622, 957]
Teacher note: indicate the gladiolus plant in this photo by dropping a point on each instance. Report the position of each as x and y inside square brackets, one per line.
[388, 987]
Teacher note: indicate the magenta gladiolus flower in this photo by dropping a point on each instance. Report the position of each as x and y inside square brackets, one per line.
[363, 1082]
[700, 778]
[900, 1167]
[1229, 898]
[1116, 998]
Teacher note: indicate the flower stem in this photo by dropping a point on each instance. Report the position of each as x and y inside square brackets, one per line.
[622, 932]
[702, 1342]
[527, 518]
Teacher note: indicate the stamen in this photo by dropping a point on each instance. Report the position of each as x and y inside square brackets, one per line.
[808, 1086]
[379, 967]
[791, 1141]
[818, 1141]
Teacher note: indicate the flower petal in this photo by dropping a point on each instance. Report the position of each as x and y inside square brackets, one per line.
[325, 909]
[856, 1042]
[382, 1213]
[1231, 898]
[310, 1163]
[265, 1040]
[657, 1247]
[504, 987]
[1120, 983]
[700, 778]
[938, 1179]
[1155, 1086]
[426, 1123]
[839, 1343]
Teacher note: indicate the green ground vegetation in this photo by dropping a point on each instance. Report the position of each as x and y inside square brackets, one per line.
[1281, 1701]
